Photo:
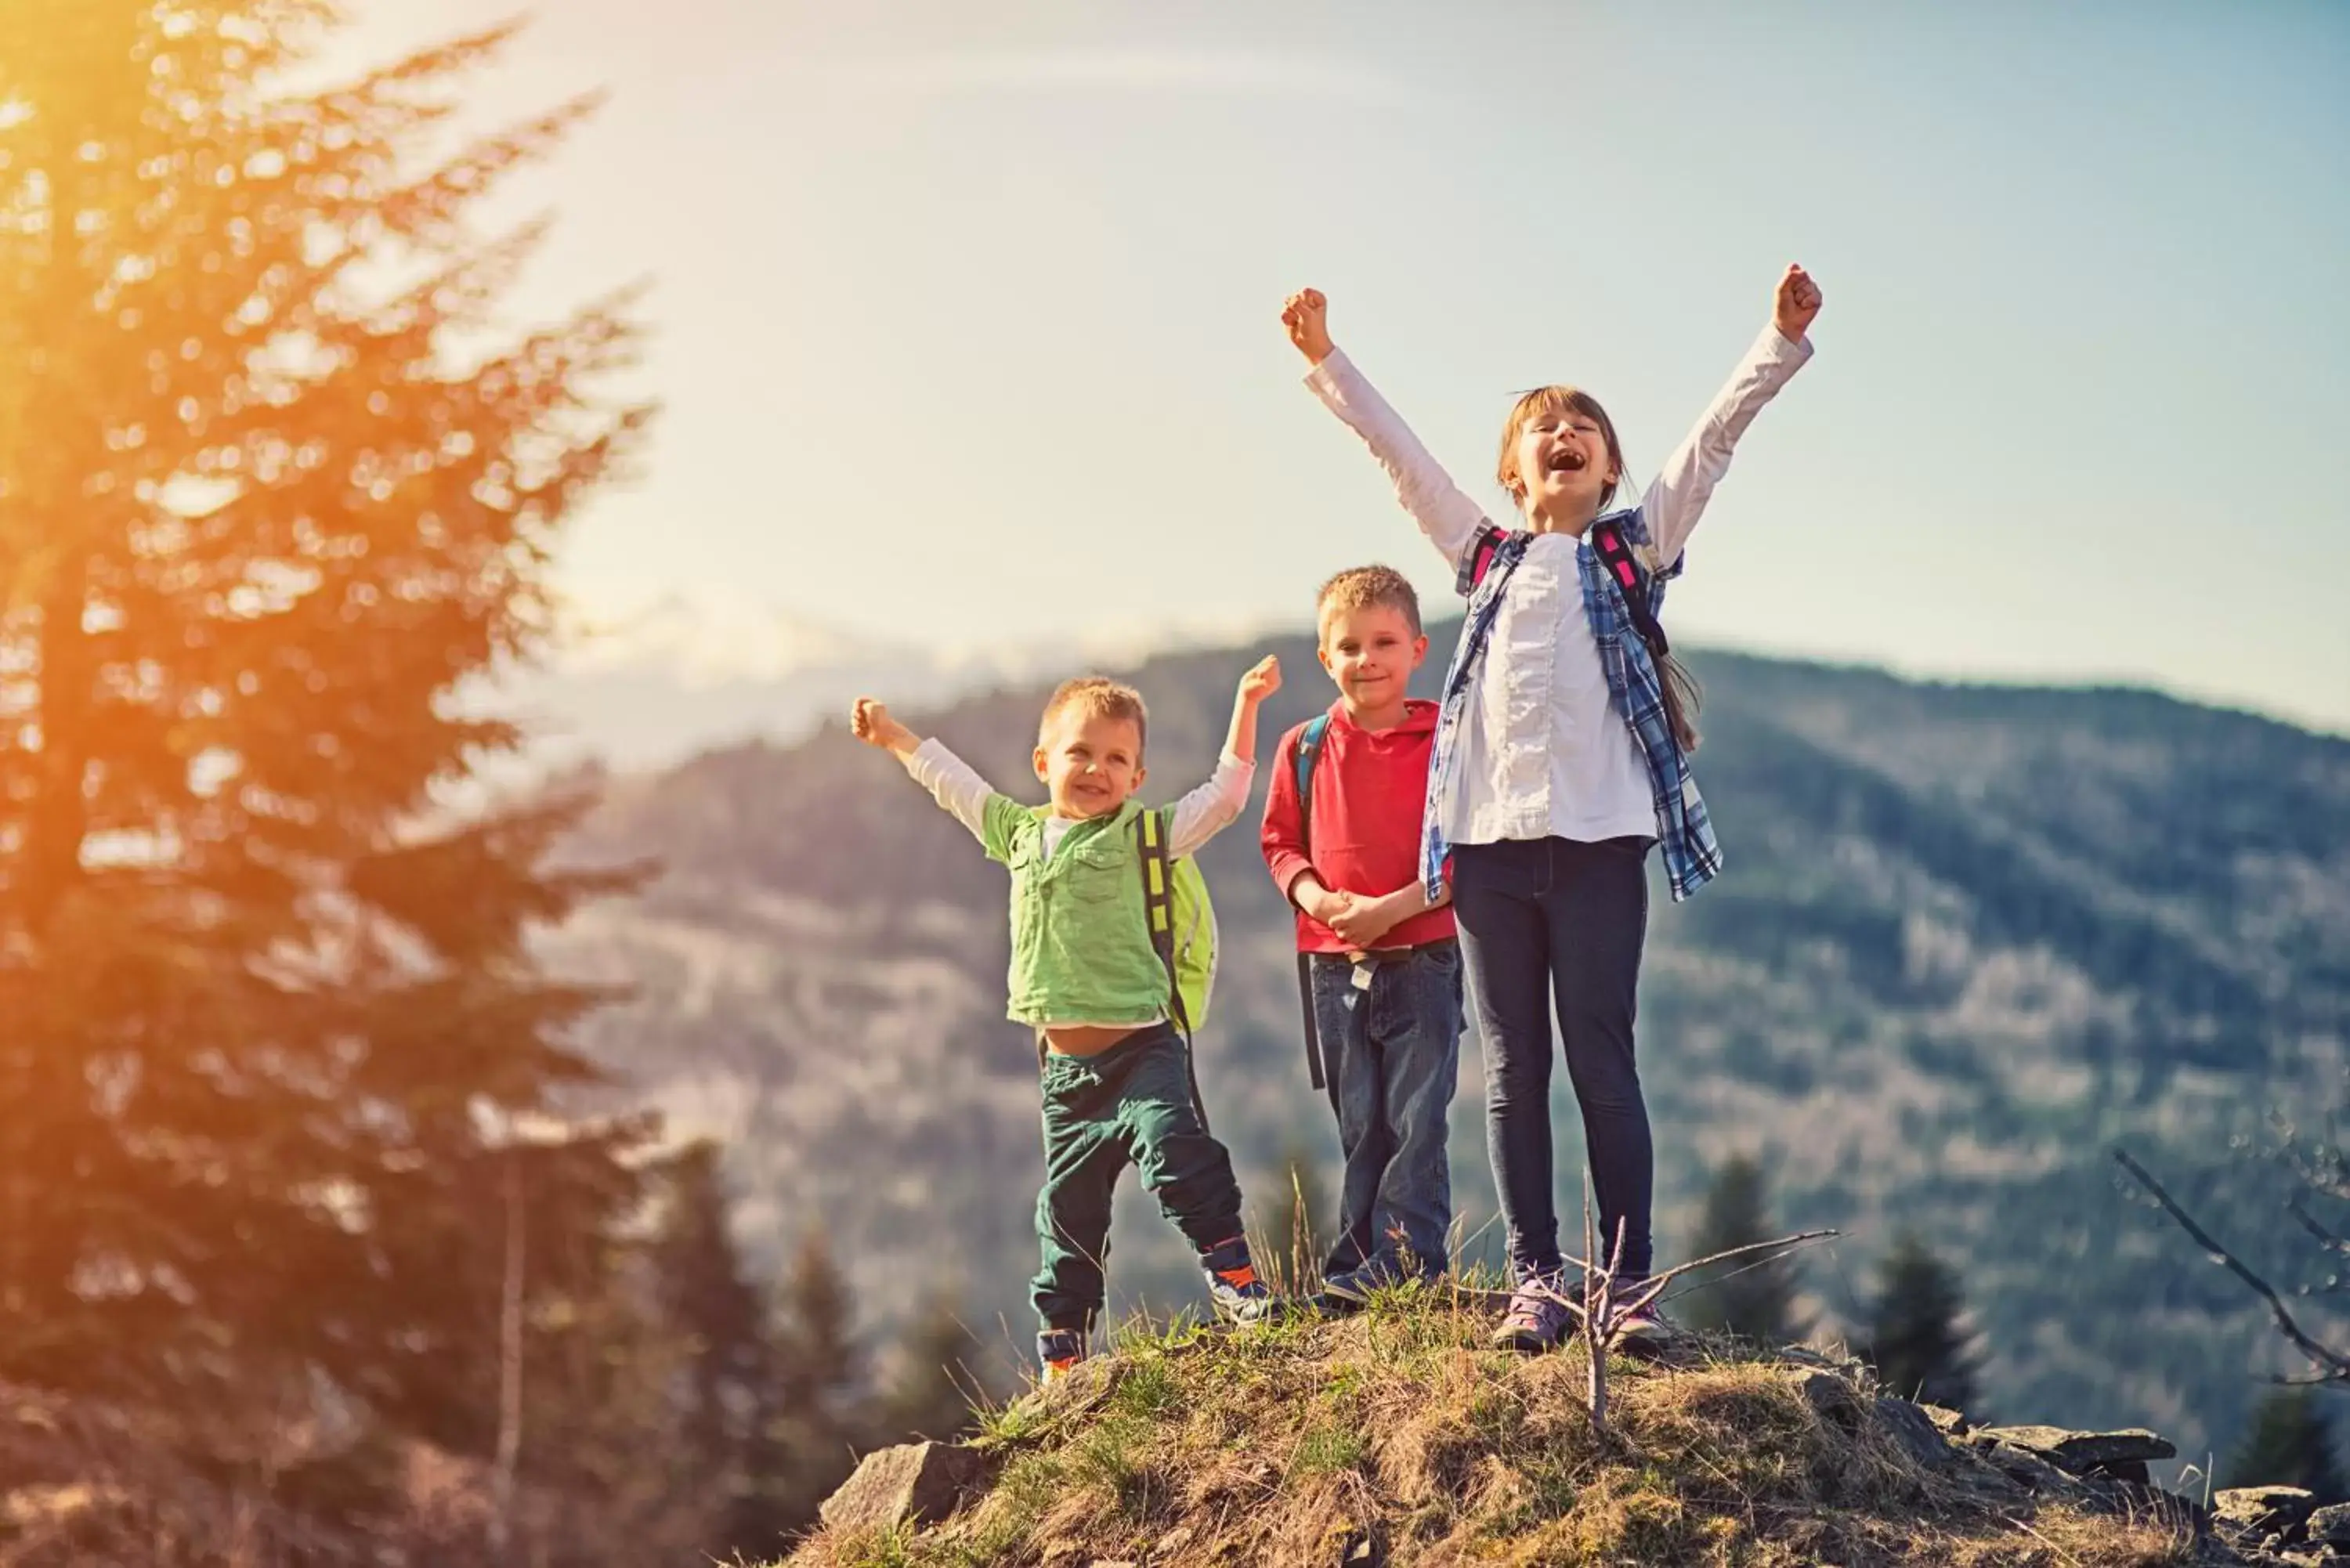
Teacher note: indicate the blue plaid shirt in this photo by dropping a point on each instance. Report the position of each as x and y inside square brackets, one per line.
[1634, 688]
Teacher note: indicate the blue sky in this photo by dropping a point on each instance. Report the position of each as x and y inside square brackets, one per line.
[965, 315]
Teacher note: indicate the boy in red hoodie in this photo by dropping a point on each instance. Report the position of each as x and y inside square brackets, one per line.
[1378, 965]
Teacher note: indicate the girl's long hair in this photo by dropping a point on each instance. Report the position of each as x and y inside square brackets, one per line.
[1683, 695]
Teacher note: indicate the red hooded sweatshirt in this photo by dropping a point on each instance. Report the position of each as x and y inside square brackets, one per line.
[1369, 789]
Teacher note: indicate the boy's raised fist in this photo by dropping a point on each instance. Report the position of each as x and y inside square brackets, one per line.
[870, 722]
[1263, 679]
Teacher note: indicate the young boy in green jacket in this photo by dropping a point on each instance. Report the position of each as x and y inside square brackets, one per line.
[1116, 1075]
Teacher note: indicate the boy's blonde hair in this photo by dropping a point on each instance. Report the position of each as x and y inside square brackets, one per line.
[1360, 588]
[1101, 698]
[1545, 400]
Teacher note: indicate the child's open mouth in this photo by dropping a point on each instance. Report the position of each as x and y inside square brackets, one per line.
[1568, 459]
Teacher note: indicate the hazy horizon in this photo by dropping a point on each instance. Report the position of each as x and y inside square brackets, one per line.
[997, 294]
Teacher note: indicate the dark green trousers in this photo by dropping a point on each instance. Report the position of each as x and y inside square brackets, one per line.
[1130, 1103]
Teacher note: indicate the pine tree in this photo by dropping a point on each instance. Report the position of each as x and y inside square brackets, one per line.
[1915, 1340]
[930, 1391]
[1753, 1300]
[273, 484]
[706, 1299]
[2289, 1445]
[815, 1424]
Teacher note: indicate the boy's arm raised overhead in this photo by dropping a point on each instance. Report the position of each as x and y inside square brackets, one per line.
[1443, 511]
[952, 782]
[1218, 804]
[1677, 499]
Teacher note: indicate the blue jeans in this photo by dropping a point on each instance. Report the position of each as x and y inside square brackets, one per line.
[1391, 1052]
[1558, 919]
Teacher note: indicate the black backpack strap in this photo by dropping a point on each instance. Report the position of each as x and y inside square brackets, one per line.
[1309, 753]
[1616, 557]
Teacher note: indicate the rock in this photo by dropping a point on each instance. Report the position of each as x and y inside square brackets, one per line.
[1909, 1426]
[2079, 1452]
[2038, 1476]
[2330, 1526]
[1171, 1545]
[1830, 1395]
[1949, 1422]
[914, 1482]
[2262, 1510]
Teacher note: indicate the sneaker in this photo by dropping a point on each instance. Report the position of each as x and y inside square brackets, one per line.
[1536, 1319]
[1058, 1352]
[1646, 1333]
[1350, 1292]
[1343, 1296]
[1233, 1285]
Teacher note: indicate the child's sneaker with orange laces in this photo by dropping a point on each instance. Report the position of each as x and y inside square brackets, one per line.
[1233, 1285]
[1058, 1352]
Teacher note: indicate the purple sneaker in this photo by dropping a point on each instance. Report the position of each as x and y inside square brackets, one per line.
[1536, 1319]
[1647, 1333]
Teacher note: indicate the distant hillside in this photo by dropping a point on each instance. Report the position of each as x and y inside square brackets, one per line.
[1968, 938]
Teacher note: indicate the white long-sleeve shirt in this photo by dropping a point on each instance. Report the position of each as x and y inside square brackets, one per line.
[1543, 753]
[1199, 816]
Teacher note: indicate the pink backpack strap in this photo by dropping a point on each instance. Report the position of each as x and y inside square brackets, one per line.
[1478, 558]
[1615, 554]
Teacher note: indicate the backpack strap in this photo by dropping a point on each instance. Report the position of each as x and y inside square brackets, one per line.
[1616, 557]
[1478, 558]
[1309, 753]
[1159, 906]
[1153, 828]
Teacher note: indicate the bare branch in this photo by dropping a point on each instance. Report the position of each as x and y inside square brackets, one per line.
[2313, 1380]
[1601, 1318]
[2325, 1237]
[1801, 1238]
[1792, 1245]
[2337, 1364]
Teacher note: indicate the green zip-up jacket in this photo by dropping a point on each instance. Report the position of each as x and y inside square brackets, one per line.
[1081, 949]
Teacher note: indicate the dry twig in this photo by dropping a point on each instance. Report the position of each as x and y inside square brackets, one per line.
[2332, 1364]
[1602, 1319]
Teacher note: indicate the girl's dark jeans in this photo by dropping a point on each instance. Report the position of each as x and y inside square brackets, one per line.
[1556, 918]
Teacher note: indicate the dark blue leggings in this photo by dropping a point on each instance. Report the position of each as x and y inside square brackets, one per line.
[1544, 917]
